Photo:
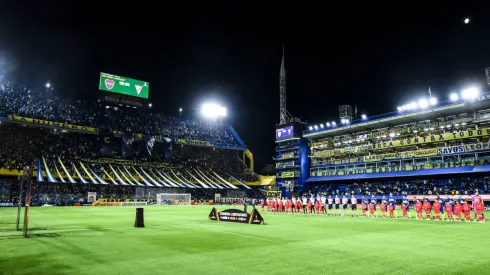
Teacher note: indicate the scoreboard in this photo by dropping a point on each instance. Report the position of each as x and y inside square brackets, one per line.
[123, 85]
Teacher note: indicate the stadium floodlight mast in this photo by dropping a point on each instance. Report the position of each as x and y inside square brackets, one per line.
[213, 110]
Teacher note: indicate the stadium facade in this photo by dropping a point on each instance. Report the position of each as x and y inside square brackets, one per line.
[448, 138]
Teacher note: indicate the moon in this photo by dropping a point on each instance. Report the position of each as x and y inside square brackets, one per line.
[466, 20]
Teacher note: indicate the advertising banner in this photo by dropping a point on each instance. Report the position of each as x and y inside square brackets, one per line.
[52, 124]
[432, 138]
[236, 215]
[100, 203]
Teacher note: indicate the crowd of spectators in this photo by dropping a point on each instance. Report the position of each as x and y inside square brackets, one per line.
[446, 186]
[41, 105]
[22, 146]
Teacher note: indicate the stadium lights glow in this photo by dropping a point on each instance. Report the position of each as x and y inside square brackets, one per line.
[333, 123]
[180, 110]
[316, 127]
[423, 103]
[211, 110]
[311, 128]
[48, 85]
[433, 101]
[454, 97]
[150, 105]
[321, 125]
[328, 124]
[363, 117]
[399, 108]
[470, 93]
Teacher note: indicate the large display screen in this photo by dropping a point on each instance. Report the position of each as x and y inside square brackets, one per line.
[123, 85]
[285, 132]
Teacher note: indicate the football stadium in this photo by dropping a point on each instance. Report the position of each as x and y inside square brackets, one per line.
[111, 186]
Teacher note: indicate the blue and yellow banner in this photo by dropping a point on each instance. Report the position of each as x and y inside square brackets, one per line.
[57, 125]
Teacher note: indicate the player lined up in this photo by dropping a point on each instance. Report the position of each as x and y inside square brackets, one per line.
[450, 208]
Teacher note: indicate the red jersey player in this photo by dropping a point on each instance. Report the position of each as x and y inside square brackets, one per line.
[310, 206]
[458, 208]
[404, 211]
[466, 211]
[363, 208]
[449, 212]
[427, 209]
[298, 206]
[418, 209]
[371, 210]
[391, 210]
[382, 207]
[479, 207]
[280, 206]
[262, 205]
[437, 210]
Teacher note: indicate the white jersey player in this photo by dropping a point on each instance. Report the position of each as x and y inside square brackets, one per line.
[353, 201]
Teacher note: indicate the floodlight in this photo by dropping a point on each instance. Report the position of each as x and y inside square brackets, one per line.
[433, 101]
[470, 93]
[321, 125]
[454, 97]
[48, 85]
[363, 117]
[180, 110]
[400, 108]
[316, 127]
[333, 123]
[423, 103]
[328, 124]
[211, 110]
[150, 105]
[311, 128]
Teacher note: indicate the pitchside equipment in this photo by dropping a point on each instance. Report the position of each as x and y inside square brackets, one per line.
[139, 220]
[173, 199]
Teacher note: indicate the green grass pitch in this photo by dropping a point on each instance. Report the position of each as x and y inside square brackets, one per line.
[181, 240]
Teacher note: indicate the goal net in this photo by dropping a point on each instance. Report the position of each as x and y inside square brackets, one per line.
[173, 199]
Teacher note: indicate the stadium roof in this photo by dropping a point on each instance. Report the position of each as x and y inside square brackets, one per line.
[398, 118]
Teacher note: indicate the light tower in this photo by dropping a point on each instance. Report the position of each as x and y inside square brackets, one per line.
[285, 116]
[487, 71]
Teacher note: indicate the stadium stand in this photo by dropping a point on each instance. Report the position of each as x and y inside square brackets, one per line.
[123, 154]
[443, 149]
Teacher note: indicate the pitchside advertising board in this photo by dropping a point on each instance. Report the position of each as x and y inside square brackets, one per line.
[236, 215]
[123, 85]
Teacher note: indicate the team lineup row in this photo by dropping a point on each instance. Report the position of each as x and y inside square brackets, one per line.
[450, 207]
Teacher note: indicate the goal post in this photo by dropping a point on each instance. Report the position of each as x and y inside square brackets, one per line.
[174, 199]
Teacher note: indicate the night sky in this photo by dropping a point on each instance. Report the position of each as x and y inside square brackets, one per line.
[375, 57]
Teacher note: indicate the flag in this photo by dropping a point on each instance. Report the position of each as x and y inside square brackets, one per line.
[106, 144]
[127, 144]
[149, 144]
[168, 149]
